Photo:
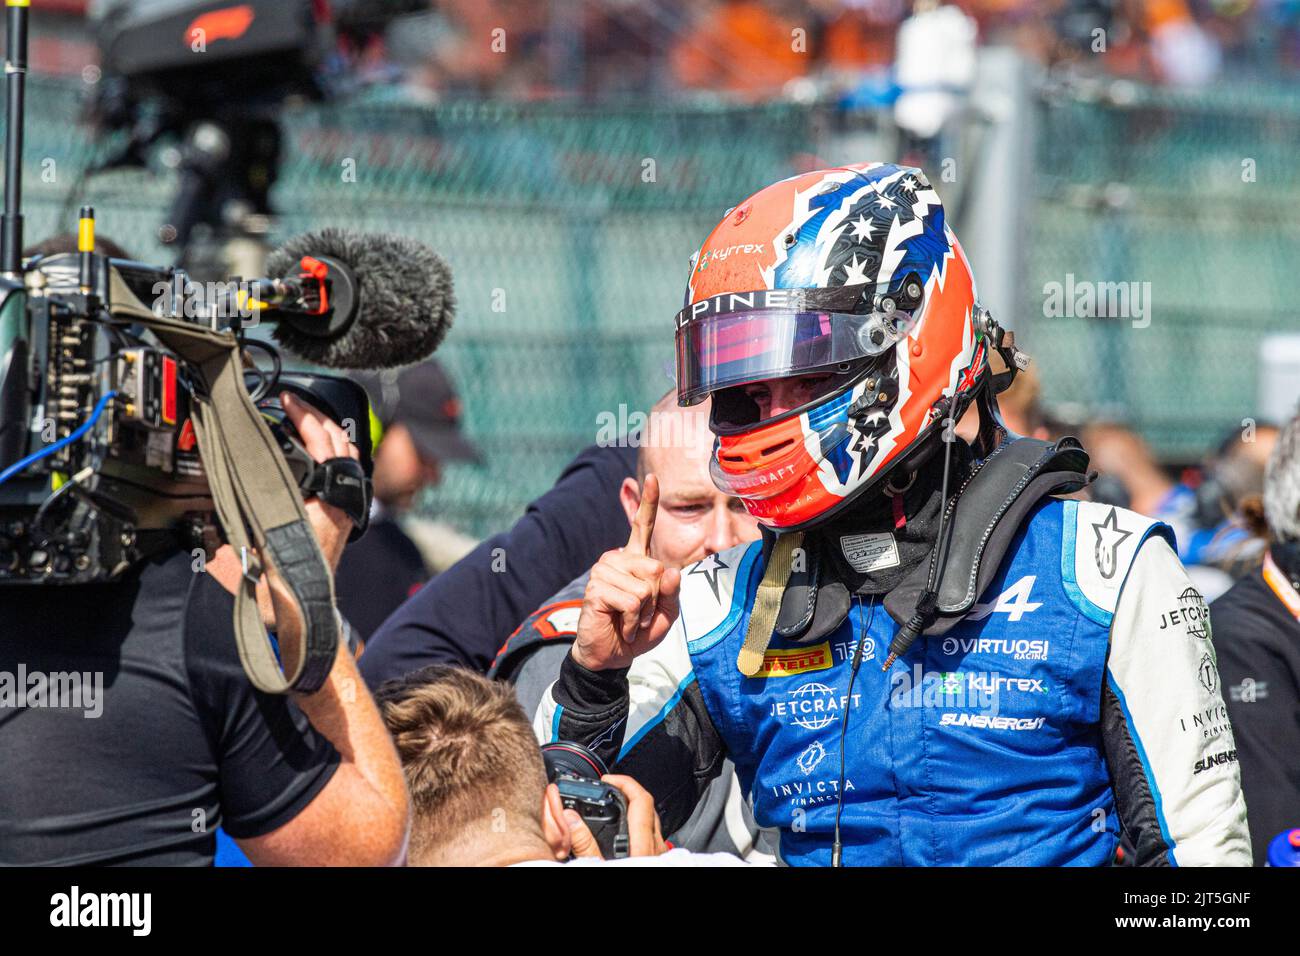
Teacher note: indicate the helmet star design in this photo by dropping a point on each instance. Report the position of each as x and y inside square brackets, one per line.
[881, 309]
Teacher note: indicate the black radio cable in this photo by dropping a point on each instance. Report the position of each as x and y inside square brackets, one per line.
[837, 849]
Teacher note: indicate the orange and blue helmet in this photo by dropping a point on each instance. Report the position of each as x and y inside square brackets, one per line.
[852, 278]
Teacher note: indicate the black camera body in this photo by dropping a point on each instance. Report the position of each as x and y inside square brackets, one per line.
[85, 496]
[576, 771]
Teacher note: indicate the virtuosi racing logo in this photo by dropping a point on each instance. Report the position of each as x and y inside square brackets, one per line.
[1019, 649]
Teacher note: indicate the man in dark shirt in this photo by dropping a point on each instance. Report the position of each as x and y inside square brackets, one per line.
[162, 738]
[181, 731]
[1257, 634]
[465, 614]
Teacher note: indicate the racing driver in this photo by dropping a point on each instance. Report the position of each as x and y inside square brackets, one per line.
[930, 657]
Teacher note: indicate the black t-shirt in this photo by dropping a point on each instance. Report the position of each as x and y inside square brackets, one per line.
[1257, 642]
[178, 743]
[376, 575]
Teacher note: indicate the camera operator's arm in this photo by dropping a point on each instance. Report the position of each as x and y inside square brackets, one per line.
[361, 816]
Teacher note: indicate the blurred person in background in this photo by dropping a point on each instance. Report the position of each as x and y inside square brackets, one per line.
[1021, 410]
[478, 782]
[1183, 53]
[696, 522]
[1228, 506]
[417, 420]
[858, 35]
[1257, 635]
[486, 48]
[935, 68]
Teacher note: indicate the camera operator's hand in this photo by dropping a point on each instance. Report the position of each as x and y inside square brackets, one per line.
[631, 598]
[323, 439]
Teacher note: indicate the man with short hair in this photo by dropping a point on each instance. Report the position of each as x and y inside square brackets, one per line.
[478, 781]
[696, 522]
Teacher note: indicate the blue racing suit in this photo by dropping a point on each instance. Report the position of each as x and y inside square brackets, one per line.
[1079, 697]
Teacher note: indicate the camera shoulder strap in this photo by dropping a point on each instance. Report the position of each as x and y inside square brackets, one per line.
[257, 501]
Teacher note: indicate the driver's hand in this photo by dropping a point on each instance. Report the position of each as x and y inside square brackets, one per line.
[631, 599]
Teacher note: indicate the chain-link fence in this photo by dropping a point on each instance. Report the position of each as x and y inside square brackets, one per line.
[568, 231]
[1186, 205]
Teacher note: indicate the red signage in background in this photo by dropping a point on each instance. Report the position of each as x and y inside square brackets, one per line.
[228, 23]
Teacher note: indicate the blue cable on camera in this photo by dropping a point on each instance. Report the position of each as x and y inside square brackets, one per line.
[18, 466]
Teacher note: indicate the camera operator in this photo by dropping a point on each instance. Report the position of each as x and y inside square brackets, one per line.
[179, 742]
[478, 782]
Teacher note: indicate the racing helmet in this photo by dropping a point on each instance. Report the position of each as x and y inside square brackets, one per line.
[851, 279]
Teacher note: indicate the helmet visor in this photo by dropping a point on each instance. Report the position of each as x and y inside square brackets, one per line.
[735, 348]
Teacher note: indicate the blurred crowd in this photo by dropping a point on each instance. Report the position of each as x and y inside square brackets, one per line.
[1214, 505]
[759, 49]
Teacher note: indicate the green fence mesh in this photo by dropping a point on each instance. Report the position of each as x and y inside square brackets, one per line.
[569, 230]
[1195, 195]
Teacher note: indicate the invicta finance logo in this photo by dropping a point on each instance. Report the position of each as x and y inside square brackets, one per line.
[799, 660]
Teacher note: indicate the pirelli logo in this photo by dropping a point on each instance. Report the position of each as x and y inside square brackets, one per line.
[799, 660]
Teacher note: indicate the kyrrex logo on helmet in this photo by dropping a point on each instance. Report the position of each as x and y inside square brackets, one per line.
[849, 275]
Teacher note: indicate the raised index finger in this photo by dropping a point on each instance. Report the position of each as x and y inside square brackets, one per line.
[643, 525]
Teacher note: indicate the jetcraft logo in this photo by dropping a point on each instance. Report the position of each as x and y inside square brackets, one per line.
[1192, 614]
[813, 706]
[1020, 649]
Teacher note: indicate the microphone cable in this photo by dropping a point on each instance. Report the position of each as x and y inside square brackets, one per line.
[837, 848]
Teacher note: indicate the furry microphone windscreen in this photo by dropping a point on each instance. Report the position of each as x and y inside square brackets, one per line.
[407, 302]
